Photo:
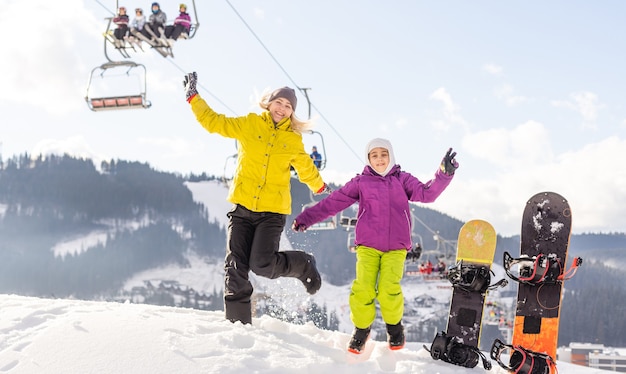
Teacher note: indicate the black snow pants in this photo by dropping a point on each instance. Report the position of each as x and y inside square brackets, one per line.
[252, 244]
[120, 32]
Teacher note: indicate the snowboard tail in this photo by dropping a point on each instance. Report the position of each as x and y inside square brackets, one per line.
[523, 361]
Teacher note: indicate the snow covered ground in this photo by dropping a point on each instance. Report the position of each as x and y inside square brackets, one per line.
[69, 336]
[76, 337]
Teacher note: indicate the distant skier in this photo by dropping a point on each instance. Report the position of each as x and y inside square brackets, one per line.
[383, 235]
[269, 143]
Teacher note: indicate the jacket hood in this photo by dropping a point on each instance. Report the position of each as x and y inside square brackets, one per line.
[380, 143]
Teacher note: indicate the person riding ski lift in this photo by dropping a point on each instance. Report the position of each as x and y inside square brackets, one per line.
[155, 27]
[317, 157]
[136, 26]
[121, 21]
[181, 26]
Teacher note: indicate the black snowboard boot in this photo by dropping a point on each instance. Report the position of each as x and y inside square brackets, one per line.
[359, 337]
[310, 277]
[395, 336]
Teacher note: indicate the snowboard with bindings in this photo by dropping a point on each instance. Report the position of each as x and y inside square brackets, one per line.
[471, 280]
[540, 273]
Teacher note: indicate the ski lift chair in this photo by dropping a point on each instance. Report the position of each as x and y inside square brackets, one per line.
[228, 177]
[110, 39]
[411, 269]
[294, 174]
[166, 51]
[327, 224]
[322, 149]
[135, 100]
[193, 28]
[350, 242]
[347, 222]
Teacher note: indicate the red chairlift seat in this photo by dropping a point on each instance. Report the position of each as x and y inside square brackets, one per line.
[134, 100]
[119, 102]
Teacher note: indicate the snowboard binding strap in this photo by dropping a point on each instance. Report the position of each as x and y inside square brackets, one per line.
[523, 361]
[473, 278]
[569, 273]
[540, 269]
[452, 350]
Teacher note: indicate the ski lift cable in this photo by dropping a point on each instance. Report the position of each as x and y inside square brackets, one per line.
[425, 225]
[451, 242]
[292, 80]
[105, 7]
[204, 88]
[277, 63]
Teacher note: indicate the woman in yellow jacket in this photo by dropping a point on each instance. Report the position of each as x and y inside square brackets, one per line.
[270, 144]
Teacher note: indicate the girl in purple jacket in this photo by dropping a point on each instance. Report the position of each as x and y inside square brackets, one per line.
[382, 235]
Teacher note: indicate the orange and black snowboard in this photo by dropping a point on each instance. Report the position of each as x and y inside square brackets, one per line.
[546, 227]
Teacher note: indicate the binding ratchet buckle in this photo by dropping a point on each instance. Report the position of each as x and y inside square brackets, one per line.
[473, 278]
[540, 269]
[522, 360]
[452, 350]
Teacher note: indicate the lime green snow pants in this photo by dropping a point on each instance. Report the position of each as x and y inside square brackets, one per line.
[378, 276]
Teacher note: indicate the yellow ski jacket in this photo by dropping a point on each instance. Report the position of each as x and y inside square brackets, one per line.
[262, 181]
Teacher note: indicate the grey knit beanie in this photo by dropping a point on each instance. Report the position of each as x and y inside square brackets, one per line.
[286, 93]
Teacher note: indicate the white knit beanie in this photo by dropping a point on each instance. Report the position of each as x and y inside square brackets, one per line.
[381, 143]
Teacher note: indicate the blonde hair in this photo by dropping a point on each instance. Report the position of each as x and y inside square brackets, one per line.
[297, 125]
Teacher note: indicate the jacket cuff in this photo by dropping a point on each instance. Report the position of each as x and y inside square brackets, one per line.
[191, 98]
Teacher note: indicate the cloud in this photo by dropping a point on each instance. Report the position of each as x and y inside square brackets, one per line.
[259, 13]
[75, 146]
[520, 169]
[523, 146]
[401, 123]
[174, 147]
[50, 36]
[586, 103]
[507, 94]
[493, 69]
[450, 111]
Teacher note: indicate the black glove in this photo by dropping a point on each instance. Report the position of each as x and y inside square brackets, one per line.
[298, 227]
[190, 85]
[449, 164]
[326, 189]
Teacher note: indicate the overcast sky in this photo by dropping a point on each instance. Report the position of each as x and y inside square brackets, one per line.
[530, 94]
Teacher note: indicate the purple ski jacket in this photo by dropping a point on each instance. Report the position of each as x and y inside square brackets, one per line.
[384, 218]
[184, 19]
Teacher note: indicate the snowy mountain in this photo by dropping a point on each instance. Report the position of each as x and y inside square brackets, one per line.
[426, 305]
[47, 336]
[128, 232]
